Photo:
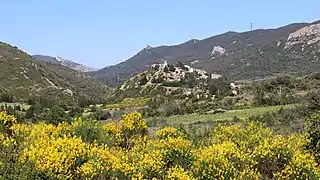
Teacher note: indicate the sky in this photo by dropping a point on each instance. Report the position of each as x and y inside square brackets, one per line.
[100, 33]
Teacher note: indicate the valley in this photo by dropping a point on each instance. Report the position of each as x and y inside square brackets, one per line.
[239, 105]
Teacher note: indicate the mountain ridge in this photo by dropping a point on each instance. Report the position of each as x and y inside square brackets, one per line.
[236, 46]
[23, 76]
[64, 62]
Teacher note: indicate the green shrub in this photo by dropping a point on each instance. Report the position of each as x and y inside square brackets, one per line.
[56, 115]
[313, 134]
[75, 111]
[313, 99]
[143, 80]
[90, 131]
[284, 121]
[6, 97]
[172, 83]
[101, 114]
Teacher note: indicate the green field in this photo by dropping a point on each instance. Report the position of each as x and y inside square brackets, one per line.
[244, 113]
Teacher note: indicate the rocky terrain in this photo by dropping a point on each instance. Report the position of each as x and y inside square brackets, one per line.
[64, 62]
[176, 80]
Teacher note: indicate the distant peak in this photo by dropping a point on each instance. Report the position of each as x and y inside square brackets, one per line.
[147, 47]
[194, 40]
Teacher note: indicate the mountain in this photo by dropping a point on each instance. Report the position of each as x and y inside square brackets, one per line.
[23, 76]
[64, 62]
[245, 55]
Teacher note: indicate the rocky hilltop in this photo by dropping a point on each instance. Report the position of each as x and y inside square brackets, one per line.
[175, 80]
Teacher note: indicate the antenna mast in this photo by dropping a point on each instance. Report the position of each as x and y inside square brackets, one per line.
[250, 26]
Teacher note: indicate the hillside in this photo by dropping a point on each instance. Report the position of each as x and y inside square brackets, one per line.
[64, 62]
[24, 76]
[176, 81]
[253, 54]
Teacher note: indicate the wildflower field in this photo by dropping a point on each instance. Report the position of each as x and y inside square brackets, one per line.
[87, 149]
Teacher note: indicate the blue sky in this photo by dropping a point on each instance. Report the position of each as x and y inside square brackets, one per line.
[104, 32]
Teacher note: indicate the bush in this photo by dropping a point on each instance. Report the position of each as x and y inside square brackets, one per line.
[75, 111]
[172, 83]
[17, 108]
[91, 131]
[272, 99]
[34, 112]
[143, 80]
[171, 68]
[6, 97]
[124, 150]
[56, 115]
[189, 80]
[166, 69]
[93, 108]
[285, 121]
[313, 100]
[159, 79]
[313, 134]
[219, 87]
[101, 114]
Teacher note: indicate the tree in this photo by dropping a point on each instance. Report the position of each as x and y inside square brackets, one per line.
[2, 108]
[166, 69]
[219, 87]
[46, 103]
[313, 134]
[75, 111]
[101, 114]
[171, 68]
[6, 97]
[34, 112]
[181, 65]
[189, 80]
[31, 101]
[313, 99]
[10, 110]
[143, 80]
[56, 115]
[84, 101]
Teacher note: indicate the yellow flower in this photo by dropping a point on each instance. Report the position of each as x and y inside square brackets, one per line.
[240, 151]
[168, 132]
[55, 154]
[6, 119]
[178, 173]
[133, 122]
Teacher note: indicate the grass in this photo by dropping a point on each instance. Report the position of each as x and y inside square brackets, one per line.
[129, 102]
[244, 113]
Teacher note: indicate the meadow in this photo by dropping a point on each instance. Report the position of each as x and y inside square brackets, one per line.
[128, 102]
[228, 115]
